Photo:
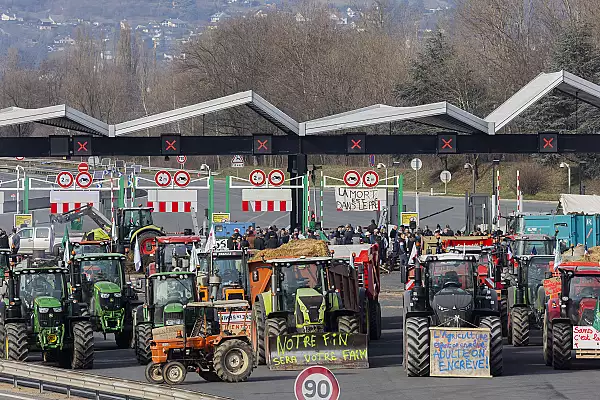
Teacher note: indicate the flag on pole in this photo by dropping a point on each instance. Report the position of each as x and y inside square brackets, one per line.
[137, 257]
[66, 243]
[413, 255]
[211, 242]
[557, 256]
[194, 261]
[509, 253]
[596, 323]
[534, 251]
[585, 250]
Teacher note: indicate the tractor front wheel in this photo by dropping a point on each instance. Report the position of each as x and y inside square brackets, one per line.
[416, 353]
[258, 331]
[2, 341]
[496, 360]
[16, 347]
[348, 324]
[233, 361]
[83, 345]
[562, 344]
[123, 339]
[174, 373]
[154, 373]
[547, 341]
[519, 324]
[504, 316]
[143, 336]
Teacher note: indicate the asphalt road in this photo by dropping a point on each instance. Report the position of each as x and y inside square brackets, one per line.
[177, 222]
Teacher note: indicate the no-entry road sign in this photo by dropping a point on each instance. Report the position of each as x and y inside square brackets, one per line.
[83, 179]
[83, 167]
[316, 383]
[276, 177]
[182, 178]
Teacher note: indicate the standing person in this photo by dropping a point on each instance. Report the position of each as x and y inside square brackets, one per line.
[371, 228]
[348, 235]
[15, 241]
[272, 241]
[402, 252]
[284, 236]
[259, 242]
[250, 236]
[4, 240]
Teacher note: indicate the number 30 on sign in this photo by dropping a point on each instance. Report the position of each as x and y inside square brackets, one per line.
[316, 383]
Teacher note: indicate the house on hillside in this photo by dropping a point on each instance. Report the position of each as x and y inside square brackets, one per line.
[174, 23]
[64, 40]
[218, 17]
[45, 24]
[7, 17]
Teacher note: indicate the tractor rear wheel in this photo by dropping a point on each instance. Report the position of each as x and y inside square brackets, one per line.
[416, 353]
[504, 316]
[496, 360]
[123, 338]
[519, 324]
[2, 341]
[233, 361]
[174, 373]
[562, 343]
[348, 324]
[375, 320]
[16, 342]
[258, 331]
[154, 373]
[83, 345]
[547, 340]
[143, 336]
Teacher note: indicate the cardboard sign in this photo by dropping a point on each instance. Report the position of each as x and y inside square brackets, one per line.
[22, 220]
[552, 287]
[586, 338]
[350, 199]
[332, 350]
[407, 217]
[236, 321]
[460, 352]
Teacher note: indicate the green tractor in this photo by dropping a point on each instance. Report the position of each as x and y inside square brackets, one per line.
[167, 294]
[40, 314]
[99, 280]
[312, 295]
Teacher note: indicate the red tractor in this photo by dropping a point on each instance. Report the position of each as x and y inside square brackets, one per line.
[570, 317]
[172, 253]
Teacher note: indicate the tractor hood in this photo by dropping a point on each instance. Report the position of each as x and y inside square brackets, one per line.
[107, 287]
[173, 308]
[452, 303]
[46, 302]
[309, 310]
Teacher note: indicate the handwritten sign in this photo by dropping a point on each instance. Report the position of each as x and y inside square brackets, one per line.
[586, 338]
[331, 349]
[552, 287]
[348, 199]
[460, 352]
[236, 321]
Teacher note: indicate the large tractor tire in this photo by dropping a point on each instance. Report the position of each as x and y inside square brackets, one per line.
[519, 324]
[375, 320]
[233, 361]
[547, 340]
[16, 345]
[274, 327]
[562, 344]
[143, 337]
[416, 353]
[348, 324]
[123, 339]
[496, 360]
[365, 316]
[2, 341]
[83, 345]
[504, 316]
[174, 373]
[258, 331]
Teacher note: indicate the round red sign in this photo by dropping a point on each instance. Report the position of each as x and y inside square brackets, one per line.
[316, 383]
[83, 180]
[352, 178]
[64, 179]
[182, 178]
[162, 178]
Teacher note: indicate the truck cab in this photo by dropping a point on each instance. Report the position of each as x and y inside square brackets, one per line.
[36, 239]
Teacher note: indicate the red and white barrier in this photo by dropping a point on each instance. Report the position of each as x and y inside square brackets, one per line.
[172, 200]
[269, 200]
[67, 200]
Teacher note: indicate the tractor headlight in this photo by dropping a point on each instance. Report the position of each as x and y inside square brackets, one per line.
[105, 295]
[442, 308]
[43, 310]
[302, 308]
[174, 322]
[57, 309]
[117, 294]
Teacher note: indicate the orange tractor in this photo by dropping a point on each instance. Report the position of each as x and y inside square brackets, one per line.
[213, 342]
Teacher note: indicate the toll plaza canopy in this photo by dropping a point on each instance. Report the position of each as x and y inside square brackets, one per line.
[442, 115]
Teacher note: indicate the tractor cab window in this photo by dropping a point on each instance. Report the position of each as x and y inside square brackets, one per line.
[173, 289]
[536, 271]
[533, 247]
[455, 273]
[584, 292]
[102, 270]
[137, 218]
[172, 251]
[40, 284]
[90, 249]
[4, 260]
[299, 276]
[229, 269]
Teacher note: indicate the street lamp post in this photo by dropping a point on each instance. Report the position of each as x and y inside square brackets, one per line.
[387, 193]
[565, 165]
[467, 166]
[581, 187]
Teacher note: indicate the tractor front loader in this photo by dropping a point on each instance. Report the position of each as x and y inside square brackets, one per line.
[307, 311]
[40, 314]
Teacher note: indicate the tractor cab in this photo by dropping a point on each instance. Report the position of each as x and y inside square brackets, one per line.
[133, 219]
[533, 245]
[90, 247]
[167, 294]
[224, 275]
[530, 279]
[581, 284]
[173, 253]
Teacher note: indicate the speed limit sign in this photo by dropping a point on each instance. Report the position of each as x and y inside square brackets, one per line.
[316, 383]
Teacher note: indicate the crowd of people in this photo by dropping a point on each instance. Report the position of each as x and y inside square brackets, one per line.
[267, 238]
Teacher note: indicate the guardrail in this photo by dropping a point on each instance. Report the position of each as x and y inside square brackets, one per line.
[66, 382]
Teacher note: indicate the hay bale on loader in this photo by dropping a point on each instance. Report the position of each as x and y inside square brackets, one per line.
[295, 249]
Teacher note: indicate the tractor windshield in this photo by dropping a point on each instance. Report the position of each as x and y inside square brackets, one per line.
[31, 286]
[91, 249]
[173, 254]
[229, 269]
[136, 218]
[299, 276]
[584, 294]
[174, 288]
[533, 247]
[536, 271]
[102, 270]
[456, 273]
